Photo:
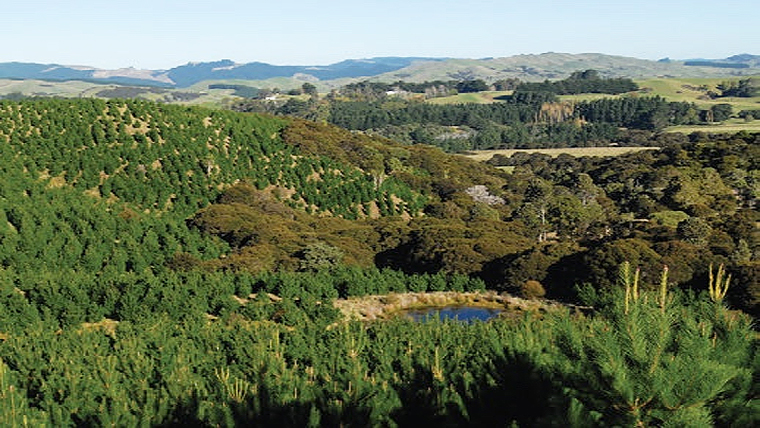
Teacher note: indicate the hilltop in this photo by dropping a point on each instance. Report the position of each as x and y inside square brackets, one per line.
[413, 69]
[191, 73]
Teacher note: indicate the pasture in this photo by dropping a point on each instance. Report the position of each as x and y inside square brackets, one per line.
[729, 126]
[485, 97]
[696, 90]
[484, 155]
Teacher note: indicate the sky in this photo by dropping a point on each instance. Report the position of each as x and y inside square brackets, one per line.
[161, 34]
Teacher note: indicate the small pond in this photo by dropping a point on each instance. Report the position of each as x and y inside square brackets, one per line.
[467, 314]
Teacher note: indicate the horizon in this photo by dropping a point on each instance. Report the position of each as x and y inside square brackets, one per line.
[90, 66]
[161, 35]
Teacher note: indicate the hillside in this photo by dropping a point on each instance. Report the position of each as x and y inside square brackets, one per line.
[556, 66]
[192, 73]
[389, 69]
[163, 265]
[259, 193]
[163, 163]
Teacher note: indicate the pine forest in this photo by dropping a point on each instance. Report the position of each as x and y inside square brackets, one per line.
[171, 265]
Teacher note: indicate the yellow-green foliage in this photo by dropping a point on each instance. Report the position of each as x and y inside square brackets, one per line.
[630, 280]
[660, 364]
[269, 235]
[290, 361]
[14, 405]
[695, 90]
[266, 234]
[532, 289]
[718, 283]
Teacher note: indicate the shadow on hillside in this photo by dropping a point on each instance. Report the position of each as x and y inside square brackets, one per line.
[512, 391]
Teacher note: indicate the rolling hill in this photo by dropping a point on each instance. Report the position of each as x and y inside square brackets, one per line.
[413, 69]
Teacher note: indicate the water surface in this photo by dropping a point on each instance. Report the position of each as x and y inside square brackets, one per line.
[459, 313]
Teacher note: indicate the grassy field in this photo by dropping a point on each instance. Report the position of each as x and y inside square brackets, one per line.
[586, 97]
[82, 89]
[484, 155]
[729, 126]
[695, 91]
[486, 97]
[692, 90]
[69, 89]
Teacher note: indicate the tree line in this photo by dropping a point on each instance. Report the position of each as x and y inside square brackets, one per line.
[582, 82]
[532, 116]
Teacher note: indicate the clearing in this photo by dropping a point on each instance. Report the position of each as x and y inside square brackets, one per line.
[484, 155]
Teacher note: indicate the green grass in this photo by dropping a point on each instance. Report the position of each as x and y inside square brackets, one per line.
[586, 97]
[690, 90]
[470, 98]
[484, 155]
[68, 89]
[729, 126]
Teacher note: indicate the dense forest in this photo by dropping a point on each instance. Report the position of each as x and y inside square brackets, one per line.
[581, 82]
[164, 265]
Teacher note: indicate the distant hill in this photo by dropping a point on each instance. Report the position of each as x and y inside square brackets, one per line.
[560, 65]
[23, 70]
[525, 67]
[192, 73]
[56, 72]
[736, 61]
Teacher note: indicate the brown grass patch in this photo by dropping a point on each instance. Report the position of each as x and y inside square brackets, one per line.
[369, 308]
[106, 325]
[484, 155]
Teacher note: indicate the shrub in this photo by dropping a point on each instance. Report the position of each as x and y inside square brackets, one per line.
[532, 289]
[661, 358]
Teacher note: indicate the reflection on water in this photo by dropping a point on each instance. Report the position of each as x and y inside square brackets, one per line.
[460, 313]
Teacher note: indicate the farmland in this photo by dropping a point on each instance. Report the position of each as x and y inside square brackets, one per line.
[484, 155]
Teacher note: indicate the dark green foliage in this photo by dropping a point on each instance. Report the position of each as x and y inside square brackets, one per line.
[658, 362]
[320, 256]
[651, 113]
[720, 112]
[546, 263]
[477, 85]
[128, 298]
[239, 90]
[286, 362]
[581, 82]
[136, 151]
[524, 120]
[741, 88]
[694, 230]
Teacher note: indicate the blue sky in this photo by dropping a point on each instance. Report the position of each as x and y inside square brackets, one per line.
[162, 34]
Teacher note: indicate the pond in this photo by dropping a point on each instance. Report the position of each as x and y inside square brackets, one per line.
[466, 314]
